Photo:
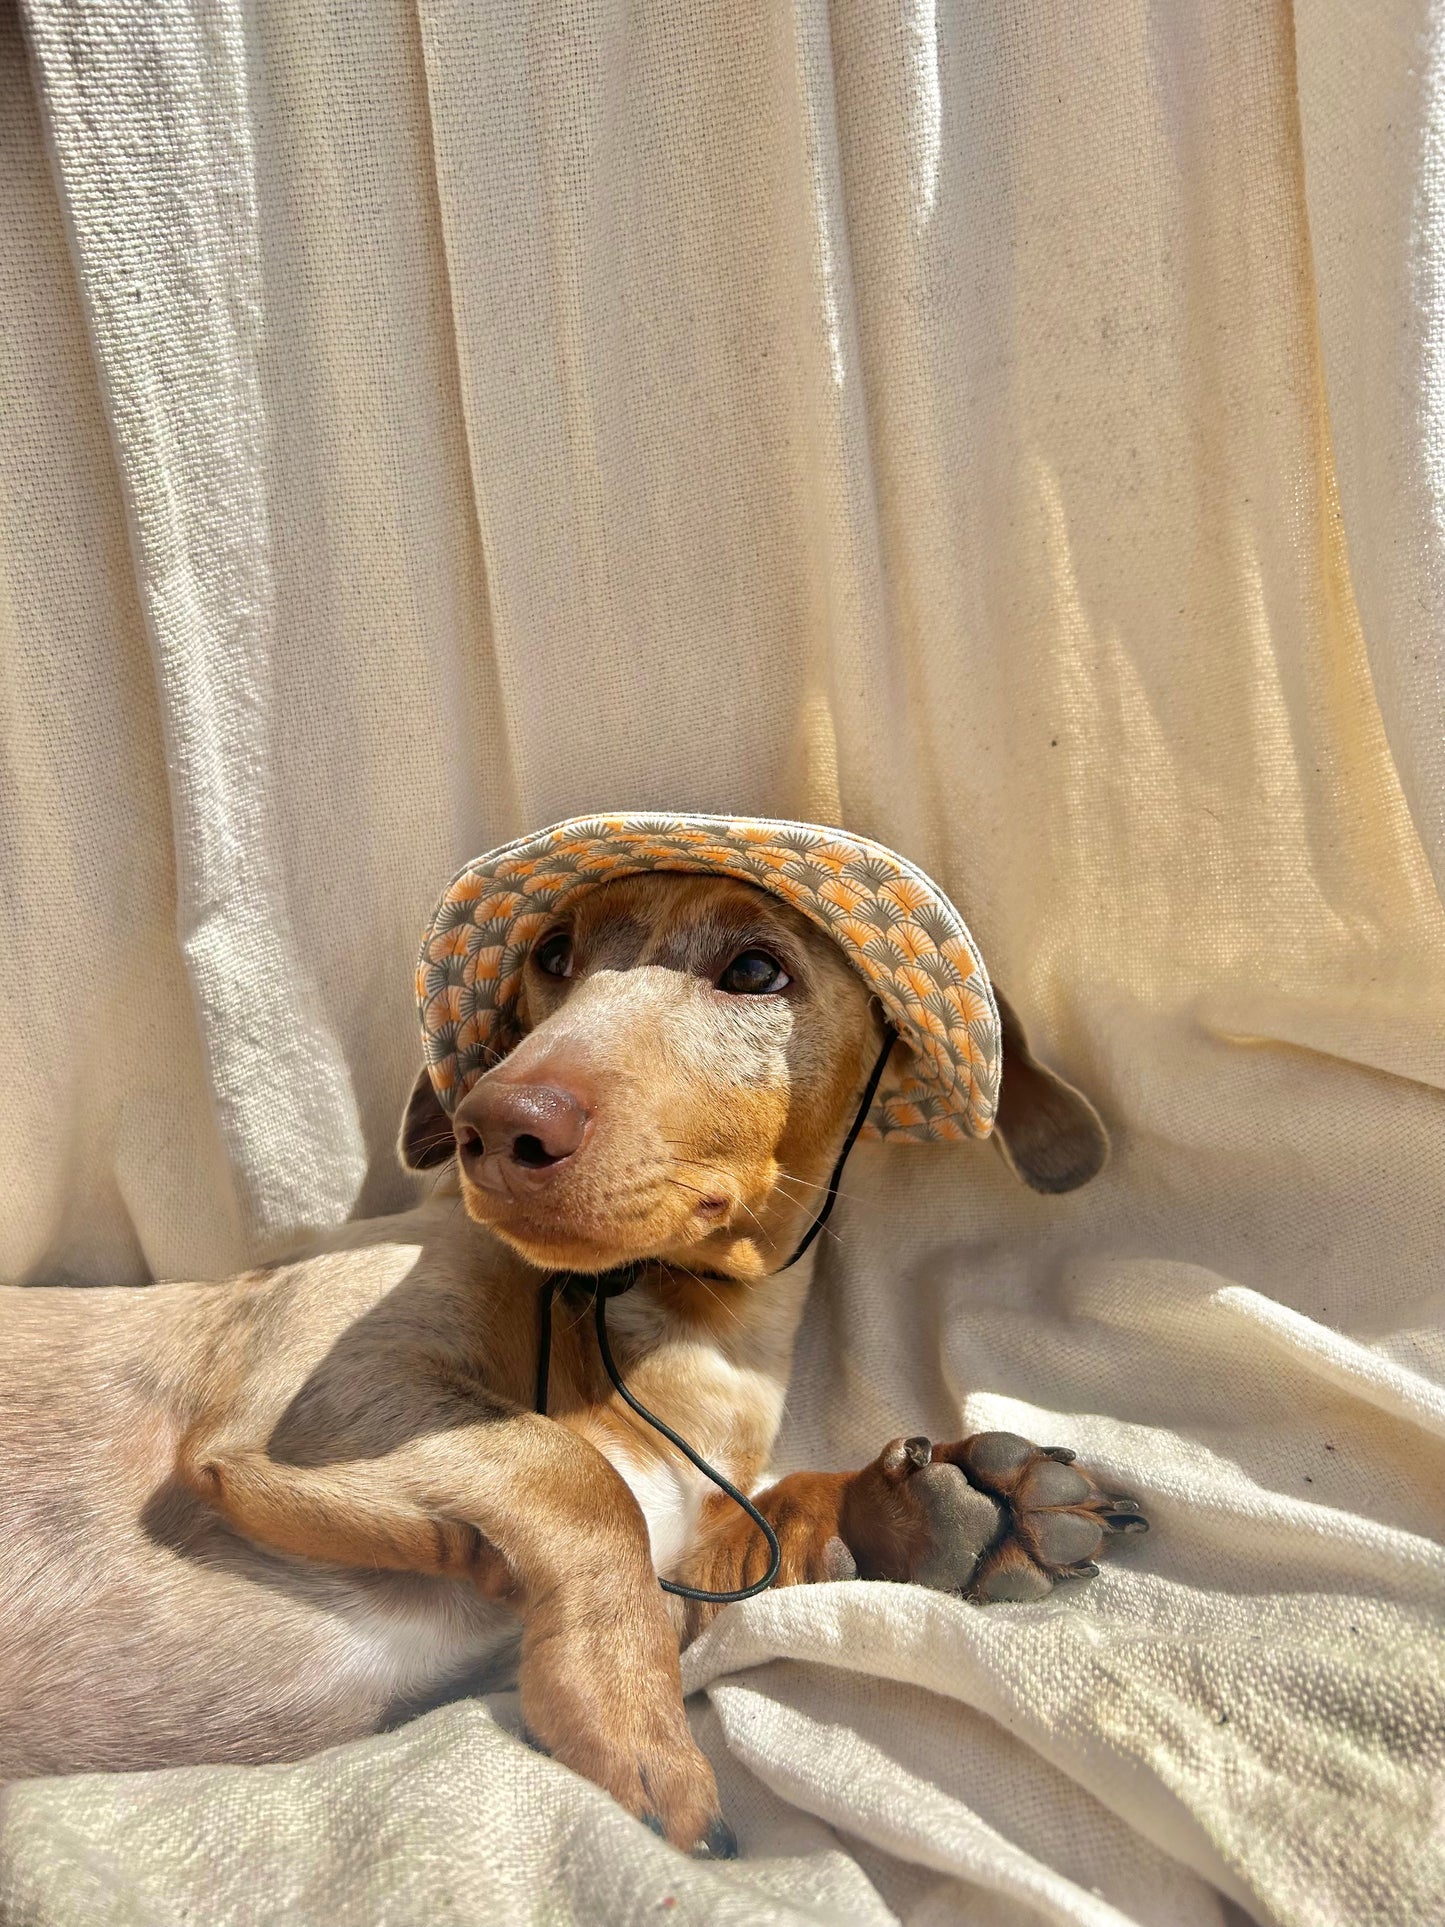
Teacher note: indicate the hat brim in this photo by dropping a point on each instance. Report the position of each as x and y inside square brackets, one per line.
[893, 924]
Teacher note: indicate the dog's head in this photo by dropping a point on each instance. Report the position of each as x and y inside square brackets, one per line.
[694, 1053]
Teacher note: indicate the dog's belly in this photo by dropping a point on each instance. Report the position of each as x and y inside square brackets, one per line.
[141, 1656]
[135, 1629]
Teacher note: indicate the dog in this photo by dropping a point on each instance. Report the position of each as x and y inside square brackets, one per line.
[243, 1521]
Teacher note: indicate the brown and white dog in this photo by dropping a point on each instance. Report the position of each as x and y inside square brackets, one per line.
[242, 1521]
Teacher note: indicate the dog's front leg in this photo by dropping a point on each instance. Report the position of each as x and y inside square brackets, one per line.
[530, 1514]
[993, 1516]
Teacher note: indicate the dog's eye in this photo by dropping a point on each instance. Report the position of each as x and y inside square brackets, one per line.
[554, 954]
[753, 974]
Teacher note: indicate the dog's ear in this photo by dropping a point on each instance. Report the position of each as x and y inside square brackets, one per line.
[1050, 1134]
[426, 1138]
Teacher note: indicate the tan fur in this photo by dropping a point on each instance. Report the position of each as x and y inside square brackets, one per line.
[245, 1520]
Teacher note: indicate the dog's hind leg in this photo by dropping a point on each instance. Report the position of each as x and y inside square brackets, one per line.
[532, 1515]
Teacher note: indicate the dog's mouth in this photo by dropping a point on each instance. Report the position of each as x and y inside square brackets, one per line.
[580, 1221]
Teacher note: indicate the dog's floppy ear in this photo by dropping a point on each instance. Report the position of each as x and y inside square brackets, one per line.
[426, 1131]
[1050, 1134]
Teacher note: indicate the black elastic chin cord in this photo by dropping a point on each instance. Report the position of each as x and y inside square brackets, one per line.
[611, 1284]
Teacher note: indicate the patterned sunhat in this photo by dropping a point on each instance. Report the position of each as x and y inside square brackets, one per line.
[896, 928]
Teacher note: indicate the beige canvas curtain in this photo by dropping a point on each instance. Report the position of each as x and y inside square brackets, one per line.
[1015, 432]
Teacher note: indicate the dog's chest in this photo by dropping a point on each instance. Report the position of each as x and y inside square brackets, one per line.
[727, 1408]
[670, 1493]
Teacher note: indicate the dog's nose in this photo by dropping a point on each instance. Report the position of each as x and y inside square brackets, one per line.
[534, 1126]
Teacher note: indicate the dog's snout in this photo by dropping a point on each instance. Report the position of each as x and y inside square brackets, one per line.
[531, 1126]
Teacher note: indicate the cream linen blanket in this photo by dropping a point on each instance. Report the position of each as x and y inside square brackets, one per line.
[1017, 432]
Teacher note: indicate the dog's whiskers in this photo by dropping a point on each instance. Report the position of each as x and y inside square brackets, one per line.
[740, 1204]
[787, 1177]
[762, 1229]
[686, 1187]
[731, 1310]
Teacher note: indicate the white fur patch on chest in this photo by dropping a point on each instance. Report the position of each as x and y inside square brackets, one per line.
[723, 1393]
[670, 1494]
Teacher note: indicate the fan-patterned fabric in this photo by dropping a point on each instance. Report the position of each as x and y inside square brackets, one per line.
[895, 927]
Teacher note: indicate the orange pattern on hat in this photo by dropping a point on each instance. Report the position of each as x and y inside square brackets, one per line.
[896, 928]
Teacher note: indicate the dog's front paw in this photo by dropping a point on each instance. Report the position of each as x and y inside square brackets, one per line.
[1058, 1518]
[603, 1696]
[992, 1516]
[910, 1517]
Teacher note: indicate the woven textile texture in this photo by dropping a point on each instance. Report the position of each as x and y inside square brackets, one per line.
[1014, 433]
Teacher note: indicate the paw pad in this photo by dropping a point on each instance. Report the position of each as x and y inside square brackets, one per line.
[962, 1522]
[1059, 1519]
